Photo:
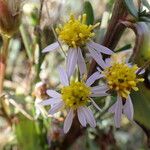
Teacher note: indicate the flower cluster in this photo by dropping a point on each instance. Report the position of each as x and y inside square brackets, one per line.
[77, 95]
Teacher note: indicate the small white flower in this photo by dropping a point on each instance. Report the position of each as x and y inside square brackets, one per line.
[74, 96]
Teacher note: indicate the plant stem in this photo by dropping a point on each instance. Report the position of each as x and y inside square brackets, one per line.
[3, 61]
[26, 40]
[41, 56]
[3, 64]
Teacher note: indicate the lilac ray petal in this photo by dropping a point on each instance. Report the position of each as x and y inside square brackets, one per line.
[53, 94]
[55, 108]
[81, 117]
[118, 112]
[112, 109]
[89, 116]
[97, 89]
[99, 94]
[108, 62]
[96, 106]
[51, 47]
[71, 61]
[63, 77]
[95, 76]
[128, 109]
[98, 69]
[141, 72]
[50, 101]
[100, 48]
[81, 63]
[98, 58]
[68, 121]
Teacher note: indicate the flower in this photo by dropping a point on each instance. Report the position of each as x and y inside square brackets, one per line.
[40, 94]
[9, 16]
[122, 78]
[77, 35]
[74, 96]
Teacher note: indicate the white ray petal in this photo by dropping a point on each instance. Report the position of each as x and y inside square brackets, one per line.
[56, 107]
[63, 77]
[100, 48]
[53, 94]
[71, 61]
[81, 63]
[51, 47]
[97, 57]
[128, 108]
[89, 116]
[68, 121]
[96, 106]
[81, 117]
[50, 101]
[95, 76]
[118, 112]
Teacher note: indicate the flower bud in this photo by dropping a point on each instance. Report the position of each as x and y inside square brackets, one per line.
[9, 17]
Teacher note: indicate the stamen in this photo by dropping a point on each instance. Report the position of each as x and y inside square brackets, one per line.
[75, 32]
[122, 78]
[76, 94]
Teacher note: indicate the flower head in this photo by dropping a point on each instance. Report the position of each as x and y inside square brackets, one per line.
[75, 96]
[122, 78]
[75, 32]
[9, 16]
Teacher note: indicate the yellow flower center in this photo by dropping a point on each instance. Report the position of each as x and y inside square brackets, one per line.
[75, 32]
[76, 94]
[122, 78]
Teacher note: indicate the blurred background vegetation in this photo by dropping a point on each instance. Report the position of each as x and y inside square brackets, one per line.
[29, 72]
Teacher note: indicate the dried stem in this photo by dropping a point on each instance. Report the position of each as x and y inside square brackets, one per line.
[3, 61]
[3, 64]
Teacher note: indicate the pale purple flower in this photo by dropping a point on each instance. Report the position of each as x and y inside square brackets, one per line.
[84, 113]
[119, 107]
[75, 56]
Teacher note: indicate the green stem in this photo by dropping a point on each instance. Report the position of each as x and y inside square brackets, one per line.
[26, 40]
[41, 55]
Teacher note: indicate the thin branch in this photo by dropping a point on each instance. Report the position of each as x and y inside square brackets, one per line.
[53, 30]
[17, 106]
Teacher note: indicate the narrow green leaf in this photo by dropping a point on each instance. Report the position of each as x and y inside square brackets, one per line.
[126, 47]
[87, 9]
[27, 135]
[131, 8]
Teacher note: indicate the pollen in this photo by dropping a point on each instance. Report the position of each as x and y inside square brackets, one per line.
[75, 32]
[75, 95]
[122, 78]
